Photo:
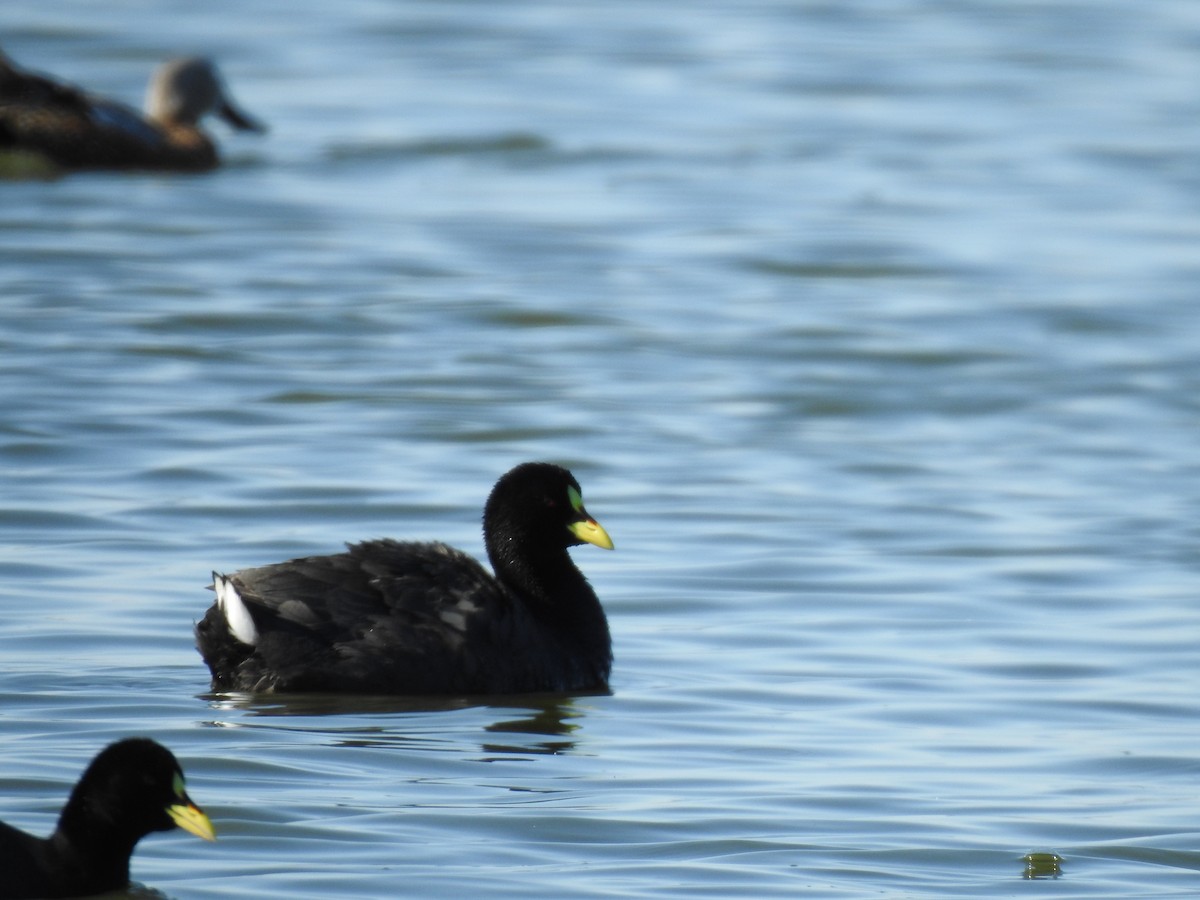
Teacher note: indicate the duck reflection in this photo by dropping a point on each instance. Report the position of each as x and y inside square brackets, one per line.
[553, 719]
[540, 724]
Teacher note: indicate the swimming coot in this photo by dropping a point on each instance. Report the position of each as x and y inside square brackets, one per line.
[132, 787]
[394, 617]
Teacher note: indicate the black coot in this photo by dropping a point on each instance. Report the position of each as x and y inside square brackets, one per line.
[132, 787]
[392, 617]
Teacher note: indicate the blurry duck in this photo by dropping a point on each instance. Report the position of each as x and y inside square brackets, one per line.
[133, 787]
[65, 128]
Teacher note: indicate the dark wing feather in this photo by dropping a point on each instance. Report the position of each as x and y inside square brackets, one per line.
[385, 615]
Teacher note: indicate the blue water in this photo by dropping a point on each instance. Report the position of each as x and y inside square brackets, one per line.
[869, 330]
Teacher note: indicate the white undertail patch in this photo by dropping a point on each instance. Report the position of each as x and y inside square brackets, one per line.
[237, 617]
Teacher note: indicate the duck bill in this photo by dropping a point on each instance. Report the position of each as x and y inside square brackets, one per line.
[238, 119]
[590, 531]
[192, 819]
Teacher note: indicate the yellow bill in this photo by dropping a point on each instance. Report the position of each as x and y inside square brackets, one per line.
[191, 818]
[592, 532]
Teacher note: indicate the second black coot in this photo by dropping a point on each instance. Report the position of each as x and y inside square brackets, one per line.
[131, 788]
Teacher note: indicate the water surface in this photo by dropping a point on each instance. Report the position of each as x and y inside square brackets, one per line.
[868, 329]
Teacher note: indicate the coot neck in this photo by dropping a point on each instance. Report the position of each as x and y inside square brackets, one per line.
[102, 849]
[552, 588]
